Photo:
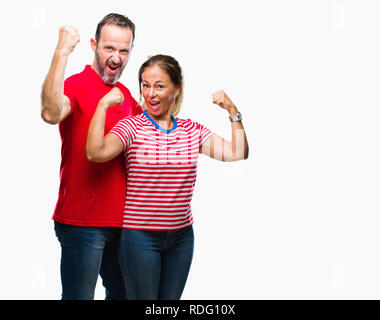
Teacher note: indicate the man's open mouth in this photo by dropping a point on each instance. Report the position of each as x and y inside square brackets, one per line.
[113, 67]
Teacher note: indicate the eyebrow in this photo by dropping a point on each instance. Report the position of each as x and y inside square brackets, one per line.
[155, 81]
[111, 45]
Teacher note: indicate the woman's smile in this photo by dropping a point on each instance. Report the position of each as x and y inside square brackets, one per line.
[154, 105]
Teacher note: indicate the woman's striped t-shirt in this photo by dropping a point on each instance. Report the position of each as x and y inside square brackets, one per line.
[161, 171]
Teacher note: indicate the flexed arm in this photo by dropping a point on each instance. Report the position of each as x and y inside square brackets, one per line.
[100, 148]
[218, 148]
[55, 106]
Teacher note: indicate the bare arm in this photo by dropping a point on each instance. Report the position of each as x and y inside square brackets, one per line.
[220, 149]
[55, 106]
[100, 148]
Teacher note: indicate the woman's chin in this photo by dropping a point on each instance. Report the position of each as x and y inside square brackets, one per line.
[153, 112]
[156, 112]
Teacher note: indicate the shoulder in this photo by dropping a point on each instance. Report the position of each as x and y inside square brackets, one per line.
[80, 75]
[128, 128]
[134, 121]
[188, 123]
[75, 79]
[123, 89]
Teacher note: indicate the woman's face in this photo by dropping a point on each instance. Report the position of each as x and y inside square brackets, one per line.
[158, 91]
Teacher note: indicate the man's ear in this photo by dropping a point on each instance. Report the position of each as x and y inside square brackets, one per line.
[93, 44]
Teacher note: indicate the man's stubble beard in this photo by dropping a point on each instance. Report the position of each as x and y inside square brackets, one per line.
[102, 71]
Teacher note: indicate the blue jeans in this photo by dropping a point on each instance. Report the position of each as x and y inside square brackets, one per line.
[86, 253]
[155, 264]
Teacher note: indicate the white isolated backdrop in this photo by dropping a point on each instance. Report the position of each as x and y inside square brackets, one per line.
[299, 219]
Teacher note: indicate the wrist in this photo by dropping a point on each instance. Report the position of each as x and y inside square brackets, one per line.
[233, 111]
[62, 52]
[103, 105]
[235, 117]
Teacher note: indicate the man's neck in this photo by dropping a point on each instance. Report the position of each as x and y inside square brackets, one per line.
[93, 66]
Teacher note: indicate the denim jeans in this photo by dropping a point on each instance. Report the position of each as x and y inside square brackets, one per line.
[155, 264]
[86, 253]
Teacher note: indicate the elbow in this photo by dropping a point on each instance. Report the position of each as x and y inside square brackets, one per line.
[246, 154]
[48, 117]
[239, 156]
[90, 156]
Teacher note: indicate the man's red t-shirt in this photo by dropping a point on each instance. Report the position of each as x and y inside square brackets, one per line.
[90, 194]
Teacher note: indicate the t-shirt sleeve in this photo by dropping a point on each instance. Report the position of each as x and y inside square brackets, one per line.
[204, 134]
[125, 130]
[69, 90]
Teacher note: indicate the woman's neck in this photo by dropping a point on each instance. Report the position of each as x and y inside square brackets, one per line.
[164, 121]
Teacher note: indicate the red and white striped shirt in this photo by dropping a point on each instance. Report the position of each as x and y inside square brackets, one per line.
[161, 171]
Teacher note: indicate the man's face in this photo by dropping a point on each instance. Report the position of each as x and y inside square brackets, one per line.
[112, 52]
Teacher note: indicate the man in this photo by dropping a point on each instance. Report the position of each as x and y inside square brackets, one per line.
[89, 210]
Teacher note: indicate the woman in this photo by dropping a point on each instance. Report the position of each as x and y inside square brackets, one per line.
[161, 154]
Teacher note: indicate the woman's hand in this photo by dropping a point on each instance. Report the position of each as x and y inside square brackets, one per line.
[100, 148]
[112, 98]
[222, 100]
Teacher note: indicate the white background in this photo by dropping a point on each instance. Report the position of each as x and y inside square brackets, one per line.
[298, 220]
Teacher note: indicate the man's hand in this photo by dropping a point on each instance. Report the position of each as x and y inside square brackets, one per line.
[68, 39]
[111, 98]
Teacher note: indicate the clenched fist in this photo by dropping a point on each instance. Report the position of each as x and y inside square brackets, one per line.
[68, 39]
[222, 100]
[113, 97]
